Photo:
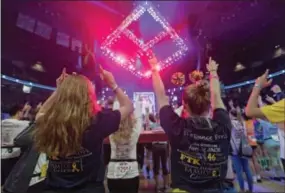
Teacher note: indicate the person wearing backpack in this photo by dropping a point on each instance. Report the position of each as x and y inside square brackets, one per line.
[241, 150]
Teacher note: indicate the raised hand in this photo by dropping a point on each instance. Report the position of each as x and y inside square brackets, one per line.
[108, 78]
[262, 81]
[152, 60]
[270, 99]
[27, 107]
[212, 66]
[40, 104]
[60, 79]
[231, 104]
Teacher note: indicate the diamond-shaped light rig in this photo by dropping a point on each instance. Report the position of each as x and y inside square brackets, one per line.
[128, 64]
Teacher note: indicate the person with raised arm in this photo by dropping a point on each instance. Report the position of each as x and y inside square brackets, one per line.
[274, 113]
[70, 129]
[199, 144]
[123, 169]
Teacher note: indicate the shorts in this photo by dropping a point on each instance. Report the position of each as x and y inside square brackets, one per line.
[272, 147]
[271, 144]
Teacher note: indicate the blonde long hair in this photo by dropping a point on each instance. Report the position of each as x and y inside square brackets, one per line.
[125, 128]
[60, 129]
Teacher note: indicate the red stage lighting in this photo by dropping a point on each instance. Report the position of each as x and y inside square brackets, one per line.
[123, 30]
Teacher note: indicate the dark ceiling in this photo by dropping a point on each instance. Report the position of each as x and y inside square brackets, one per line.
[231, 31]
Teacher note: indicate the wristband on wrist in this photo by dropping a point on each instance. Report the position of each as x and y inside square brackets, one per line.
[154, 70]
[214, 76]
[258, 86]
[115, 88]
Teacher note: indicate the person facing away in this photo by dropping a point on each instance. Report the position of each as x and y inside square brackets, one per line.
[10, 128]
[241, 164]
[199, 145]
[123, 172]
[70, 129]
[159, 157]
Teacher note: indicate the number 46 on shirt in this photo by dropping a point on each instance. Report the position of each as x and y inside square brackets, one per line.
[211, 157]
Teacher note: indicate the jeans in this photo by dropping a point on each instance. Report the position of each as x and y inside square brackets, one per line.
[140, 155]
[242, 165]
[283, 163]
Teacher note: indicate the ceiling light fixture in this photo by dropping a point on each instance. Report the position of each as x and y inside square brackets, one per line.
[239, 67]
[145, 7]
[38, 67]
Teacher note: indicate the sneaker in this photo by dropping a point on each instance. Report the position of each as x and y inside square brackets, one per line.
[158, 190]
[276, 179]
[167, 190]
[259, 180]
[254, 179]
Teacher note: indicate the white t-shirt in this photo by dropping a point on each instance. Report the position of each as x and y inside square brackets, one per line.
[10, 128]
[282, 143]
[237, 132]
[42, 162]
[126, 150]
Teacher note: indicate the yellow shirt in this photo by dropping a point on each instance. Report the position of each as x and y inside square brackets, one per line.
[275, 113]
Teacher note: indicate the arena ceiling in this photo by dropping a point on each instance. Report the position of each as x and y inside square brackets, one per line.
[244, 32]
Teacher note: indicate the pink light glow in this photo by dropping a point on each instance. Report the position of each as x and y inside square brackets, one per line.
[131, 67]
[121, 59]
[148, 73]
[129, 63]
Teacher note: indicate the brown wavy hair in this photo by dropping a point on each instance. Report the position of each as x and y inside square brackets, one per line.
[125, 130]
[197, 97]
[60, 129]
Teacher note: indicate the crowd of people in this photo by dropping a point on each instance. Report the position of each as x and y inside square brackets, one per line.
[63, 143]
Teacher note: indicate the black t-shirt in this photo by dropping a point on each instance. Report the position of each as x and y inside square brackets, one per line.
[199, 148]
[86, 165]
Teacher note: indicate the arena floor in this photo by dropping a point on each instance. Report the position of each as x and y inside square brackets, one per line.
[268, 186]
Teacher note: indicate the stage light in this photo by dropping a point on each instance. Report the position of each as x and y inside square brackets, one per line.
[237, 85]
[120, 59]
[148, 73]
[27, 89]
[144, 47]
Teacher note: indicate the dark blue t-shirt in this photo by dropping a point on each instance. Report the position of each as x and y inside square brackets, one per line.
[279, 96]
[84, 166]
[199, 148]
